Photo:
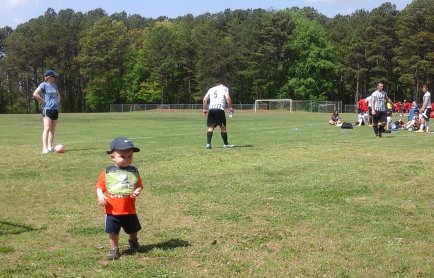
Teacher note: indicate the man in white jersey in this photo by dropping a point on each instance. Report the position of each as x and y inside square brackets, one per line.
[379, 100]
[217, 96]
[426, 109]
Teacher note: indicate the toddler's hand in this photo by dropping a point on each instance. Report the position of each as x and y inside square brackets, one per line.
[136, 192]
[102, 200]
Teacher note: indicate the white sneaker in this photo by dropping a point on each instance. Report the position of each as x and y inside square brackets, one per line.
[228, 146]
[45, 151]
[420, 130]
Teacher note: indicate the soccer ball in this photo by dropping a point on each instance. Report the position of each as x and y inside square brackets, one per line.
[59, 148]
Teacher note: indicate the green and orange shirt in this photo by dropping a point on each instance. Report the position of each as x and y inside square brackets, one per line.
[119, 184]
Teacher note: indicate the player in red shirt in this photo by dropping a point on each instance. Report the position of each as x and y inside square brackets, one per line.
[363, 115]
[397, 107]
[363, 106]
[404, 107]
[408, 106]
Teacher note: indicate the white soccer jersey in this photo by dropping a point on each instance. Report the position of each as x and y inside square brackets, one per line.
[368, 101]
[426, 100]
[379, 100]
[217, 98]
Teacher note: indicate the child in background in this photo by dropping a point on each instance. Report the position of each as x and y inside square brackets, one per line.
[335, 118]
[117, 189]
[414, 123]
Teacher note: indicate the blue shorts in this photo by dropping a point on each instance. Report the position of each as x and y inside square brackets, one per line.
[129, 222]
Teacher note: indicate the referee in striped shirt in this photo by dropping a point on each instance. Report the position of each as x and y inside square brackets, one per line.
[379, 101]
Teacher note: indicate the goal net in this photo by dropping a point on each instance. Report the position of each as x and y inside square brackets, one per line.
[326, 107]
[273, 104]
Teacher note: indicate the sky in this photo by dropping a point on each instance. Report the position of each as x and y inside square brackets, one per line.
[15, 12]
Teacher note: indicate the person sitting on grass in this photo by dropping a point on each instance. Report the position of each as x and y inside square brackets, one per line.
[414, 123]
[117, 188]
[362, 117]
[335, 118]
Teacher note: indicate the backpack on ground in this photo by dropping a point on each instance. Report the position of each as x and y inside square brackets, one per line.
[347, 125]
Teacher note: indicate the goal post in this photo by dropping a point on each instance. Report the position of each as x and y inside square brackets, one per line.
[326, 107]
[273, 104]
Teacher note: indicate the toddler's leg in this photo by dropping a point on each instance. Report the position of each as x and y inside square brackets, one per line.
[133, 242]
[114, 240]
[113, 253]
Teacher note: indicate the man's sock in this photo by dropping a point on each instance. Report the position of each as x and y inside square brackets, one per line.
[225, 138]
[208, 137]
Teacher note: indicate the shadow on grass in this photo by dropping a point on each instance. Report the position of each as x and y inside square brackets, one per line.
[167, 245]
[9, 228]
[244, 146]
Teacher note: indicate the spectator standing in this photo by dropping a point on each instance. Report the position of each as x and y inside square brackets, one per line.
[48, 95]
[425, 110]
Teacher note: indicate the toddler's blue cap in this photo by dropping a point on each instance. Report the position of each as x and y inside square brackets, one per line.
[122, 144]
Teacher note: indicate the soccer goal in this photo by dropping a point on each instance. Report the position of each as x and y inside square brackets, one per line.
[273, 104]
[326, 107]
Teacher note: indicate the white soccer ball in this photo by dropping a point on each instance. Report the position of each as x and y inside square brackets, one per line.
[59, 148]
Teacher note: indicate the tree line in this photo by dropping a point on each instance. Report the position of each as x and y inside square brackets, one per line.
[290, 53]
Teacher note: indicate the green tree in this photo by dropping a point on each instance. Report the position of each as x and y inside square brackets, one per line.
[381, 41]
[4, 76]
[210, 42]
[269, 54]
[160, 65]
[314, 62]
[349, 37]
[101, 61]
[69, 27]
[415, 55]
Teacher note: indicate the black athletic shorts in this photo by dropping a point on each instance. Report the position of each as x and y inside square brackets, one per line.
[426, 114]
[380, 116]
[216, 117]
[52, 114]
[129, 222]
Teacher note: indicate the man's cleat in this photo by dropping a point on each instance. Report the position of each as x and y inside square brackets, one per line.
[208, 146]
[228, 146]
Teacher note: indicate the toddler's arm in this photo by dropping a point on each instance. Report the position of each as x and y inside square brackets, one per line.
[102, 199]
[136, 192]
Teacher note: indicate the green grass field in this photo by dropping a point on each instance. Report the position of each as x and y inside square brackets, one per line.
[295, 198]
